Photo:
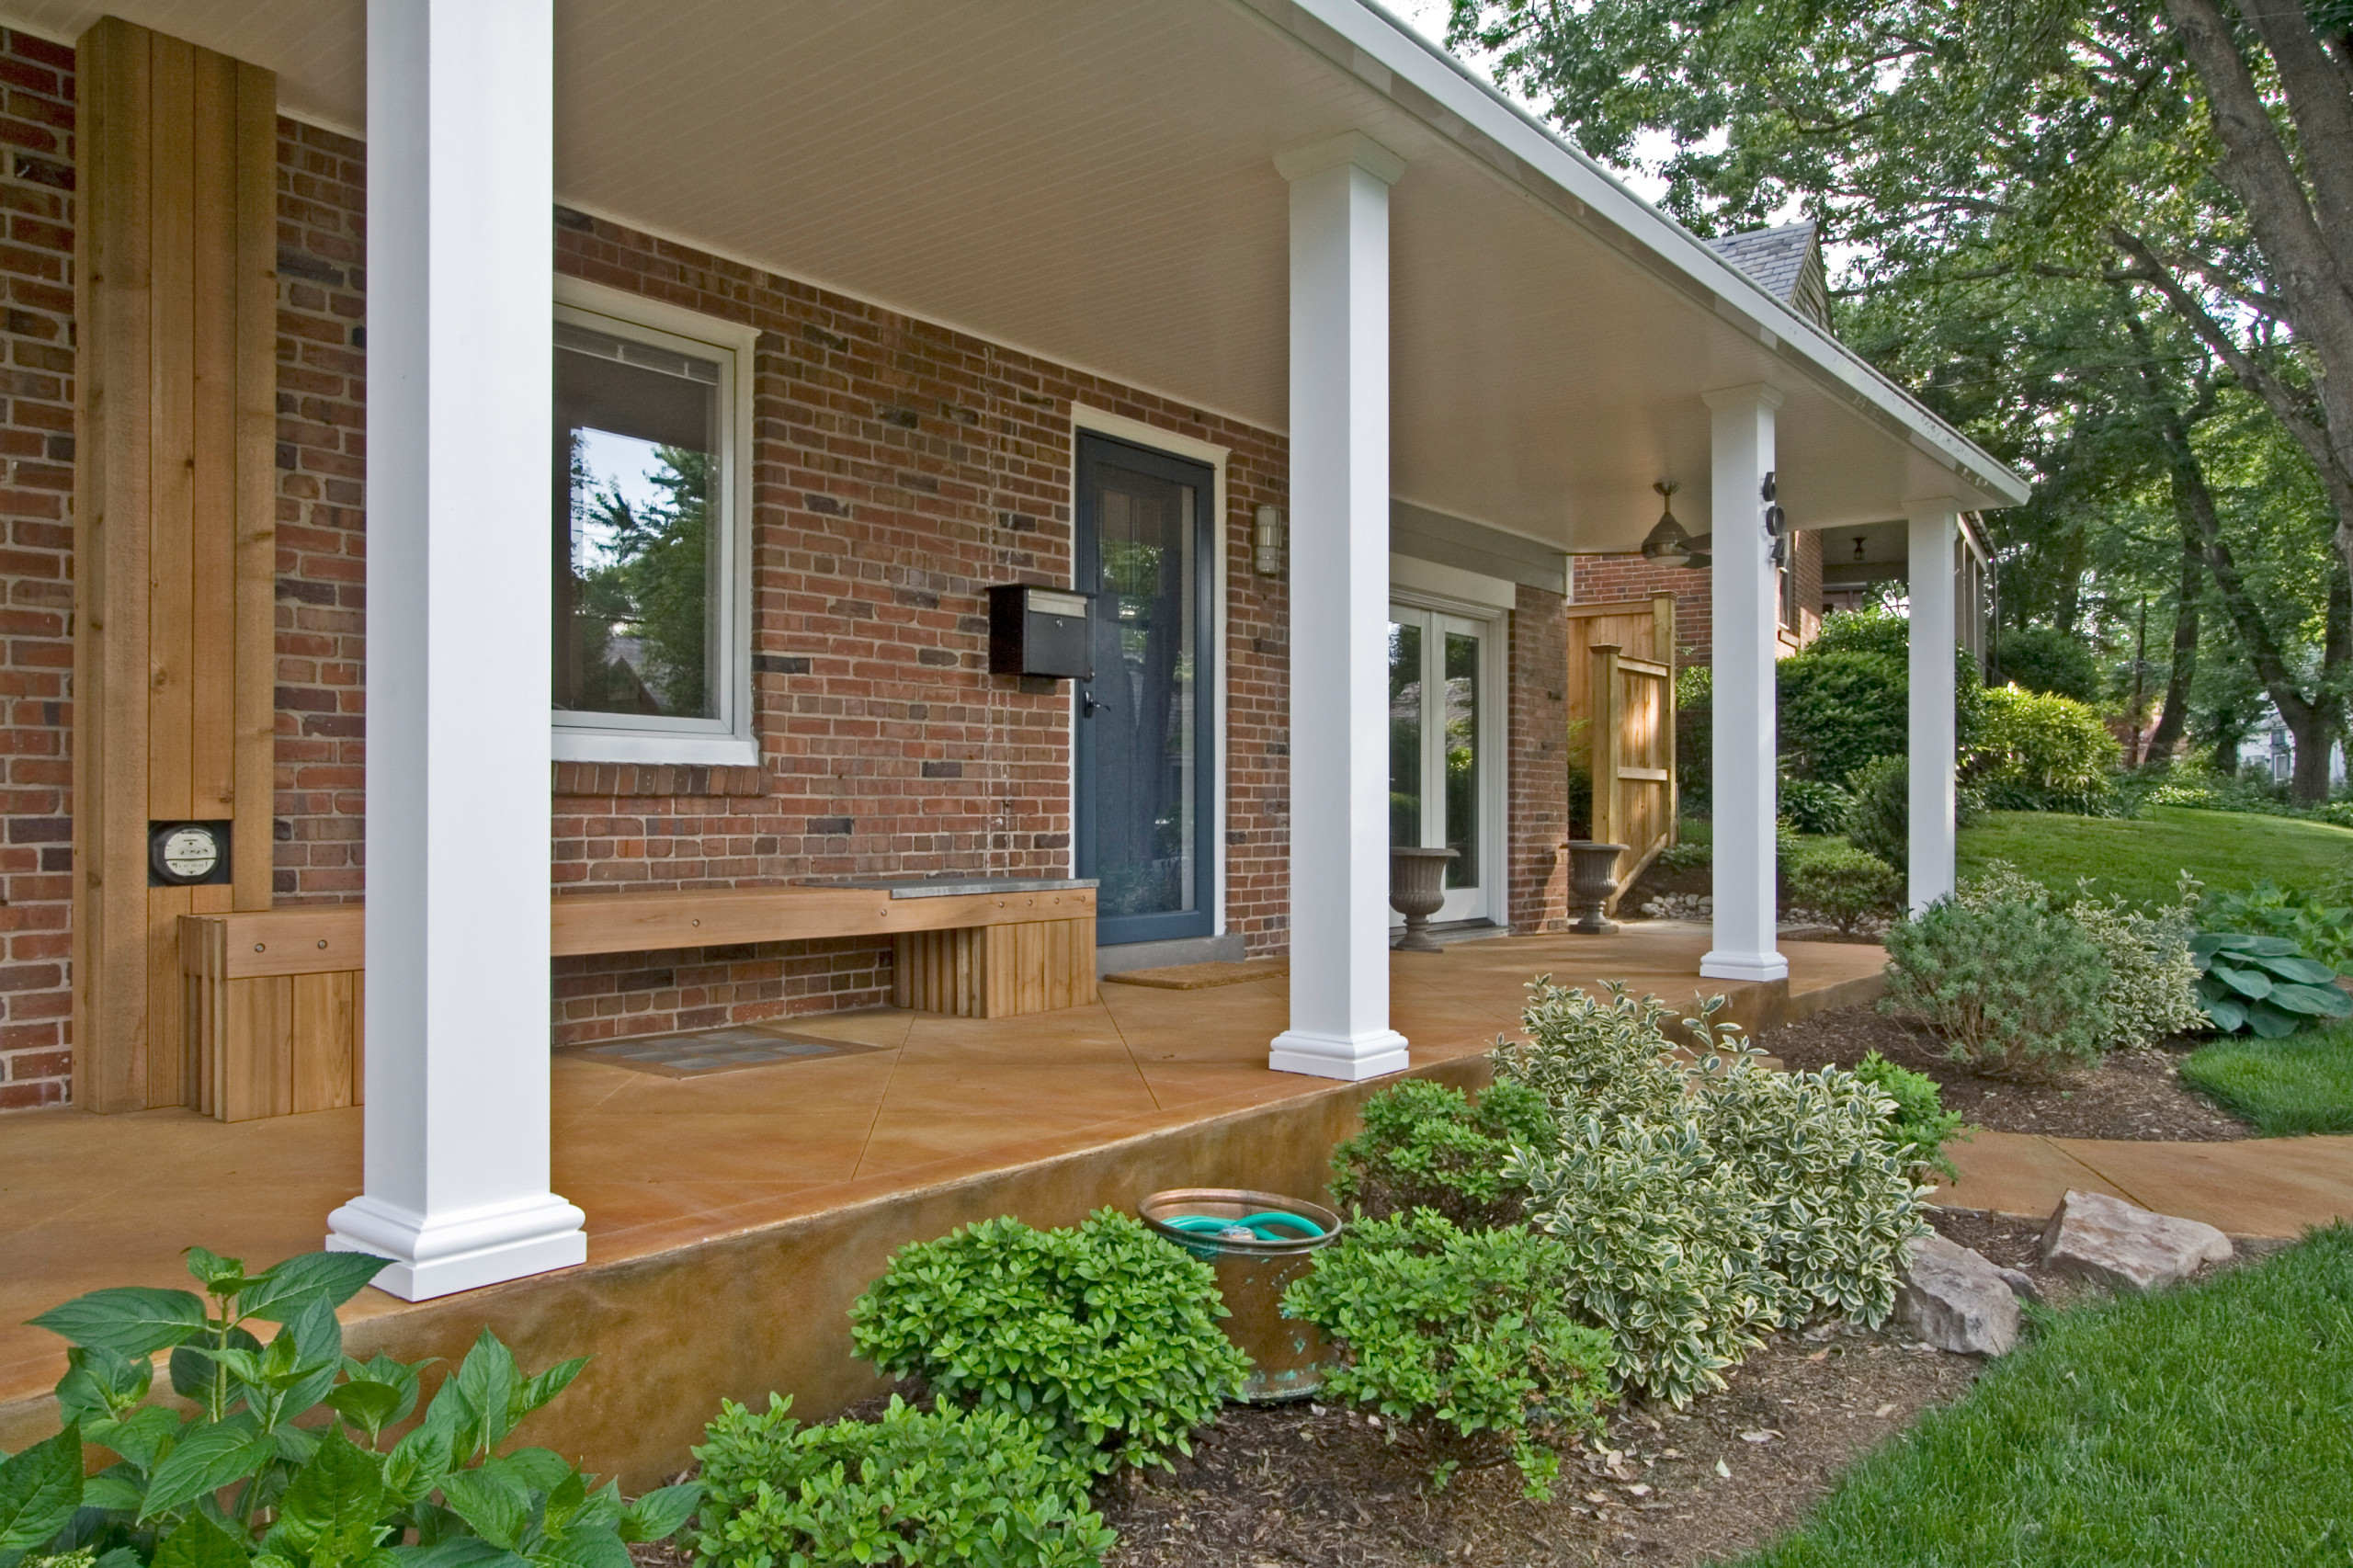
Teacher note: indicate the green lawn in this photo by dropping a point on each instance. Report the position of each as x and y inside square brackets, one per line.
[2141, 859]
[2303, 1084]
[2209, 1426]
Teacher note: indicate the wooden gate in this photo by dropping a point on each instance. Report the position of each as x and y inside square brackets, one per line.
[1621, 701]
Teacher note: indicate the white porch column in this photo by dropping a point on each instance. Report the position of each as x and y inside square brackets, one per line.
[461, 96]
[1339, 611]
[1935, 527]
[1744, 633]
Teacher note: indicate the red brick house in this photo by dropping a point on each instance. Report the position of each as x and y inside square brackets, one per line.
[1304, 376]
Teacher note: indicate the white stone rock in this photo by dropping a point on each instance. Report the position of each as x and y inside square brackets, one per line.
[1954, 1300]
[2123, 1245]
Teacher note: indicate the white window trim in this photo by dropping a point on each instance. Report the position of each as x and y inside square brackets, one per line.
[1102, 422]
[728, 739]
[1495, 739]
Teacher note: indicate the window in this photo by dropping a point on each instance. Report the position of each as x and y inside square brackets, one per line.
[650, 542]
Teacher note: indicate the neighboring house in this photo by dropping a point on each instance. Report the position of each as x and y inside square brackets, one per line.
[1822, 574]
[618, 421]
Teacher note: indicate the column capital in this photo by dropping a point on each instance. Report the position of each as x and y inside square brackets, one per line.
[1932, 506]
[1754, 392]
[1348, 147]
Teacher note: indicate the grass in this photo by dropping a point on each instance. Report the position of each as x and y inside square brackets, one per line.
[2303, 1084]
[2212, 1424]
[2141, 859]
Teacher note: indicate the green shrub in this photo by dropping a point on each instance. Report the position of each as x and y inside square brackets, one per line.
[1695, 736]
[1919, 1126]
[917, 1487]
[2263, 984]
[2041, 752]
[1428, 1146]
[1103, 1336]
[2017, 989]
[1693, 849]
[1840, 708]
[2318, 925]
[1465, 1337]
[1880, 822]
[1844, 885]
[1876, 630]
[2043, 658]
[292, 1437]
[1836, 1194]
[1700, 1208]
[2151, 985]
[1812, 805]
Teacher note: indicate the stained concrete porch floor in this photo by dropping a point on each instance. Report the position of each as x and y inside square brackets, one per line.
[664, 1166]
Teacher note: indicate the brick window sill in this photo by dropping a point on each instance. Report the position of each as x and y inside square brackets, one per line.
[614, 779]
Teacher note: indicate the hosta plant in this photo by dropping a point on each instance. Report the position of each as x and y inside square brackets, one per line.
[2321, 926]
[2264, 985]
[1462, 1339]
[283, 1462]
[1426, 1145]
[914, 1487]
[1103, 1337]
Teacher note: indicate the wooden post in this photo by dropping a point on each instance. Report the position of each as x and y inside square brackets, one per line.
[174, 490]
[1662, 648]
[1607, 740]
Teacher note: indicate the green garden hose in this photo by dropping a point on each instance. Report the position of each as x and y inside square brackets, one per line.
[1263, 1227]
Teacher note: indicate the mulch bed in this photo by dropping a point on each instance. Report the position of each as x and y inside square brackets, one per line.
[2131, 1094]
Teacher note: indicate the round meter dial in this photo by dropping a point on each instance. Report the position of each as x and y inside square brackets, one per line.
[183, 854]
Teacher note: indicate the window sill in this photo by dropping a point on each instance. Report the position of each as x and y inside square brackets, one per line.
[675, 751]
[617, 780]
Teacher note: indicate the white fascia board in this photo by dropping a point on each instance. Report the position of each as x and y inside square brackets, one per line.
[1423, 80]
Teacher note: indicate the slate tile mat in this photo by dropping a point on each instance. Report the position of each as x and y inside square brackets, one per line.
[706, 1052]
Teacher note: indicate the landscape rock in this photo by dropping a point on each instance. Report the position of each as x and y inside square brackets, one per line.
[2124, 1246]
[1954, 1300]
[2020, 1282]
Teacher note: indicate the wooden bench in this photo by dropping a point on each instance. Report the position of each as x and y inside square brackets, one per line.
[273, 997]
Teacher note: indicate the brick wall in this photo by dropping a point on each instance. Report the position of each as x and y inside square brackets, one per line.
[1540, 780]
[36, 568]
[901, 469]
[1602, 579]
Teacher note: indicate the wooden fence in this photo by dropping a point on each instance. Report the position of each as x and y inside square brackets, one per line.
[1621, 701]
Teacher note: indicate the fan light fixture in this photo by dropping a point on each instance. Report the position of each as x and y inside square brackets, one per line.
[1668, 542]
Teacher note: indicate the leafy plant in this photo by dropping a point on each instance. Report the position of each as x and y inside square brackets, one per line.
[1811, 805]
[1699, 1206]
[1102, 1336]
[2016, 988]
[1880, 822]
[2318, 925]
[915, 1487]
[2263, 984]
[2043, 658]
[1428, 1146]
[1843, 884]
[245, 1477]
[1465, 1337]
[2038, 751]
[1919, 1125]
[1840, 708]
[2152, 981]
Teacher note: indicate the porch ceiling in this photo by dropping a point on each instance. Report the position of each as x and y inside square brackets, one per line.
[1092, 180]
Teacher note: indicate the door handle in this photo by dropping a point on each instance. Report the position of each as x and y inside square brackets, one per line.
[1087, 703]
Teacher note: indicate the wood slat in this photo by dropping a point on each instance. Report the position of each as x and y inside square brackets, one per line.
[627, 922]
[211, 600]
[255, 520]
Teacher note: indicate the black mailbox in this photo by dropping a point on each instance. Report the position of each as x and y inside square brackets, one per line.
[1040, 631]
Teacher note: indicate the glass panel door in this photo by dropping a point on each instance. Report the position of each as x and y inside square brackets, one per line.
[1145, 772]
[1438, 746]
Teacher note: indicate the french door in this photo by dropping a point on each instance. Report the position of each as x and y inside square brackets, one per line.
[1146, 764]
[1439, 750]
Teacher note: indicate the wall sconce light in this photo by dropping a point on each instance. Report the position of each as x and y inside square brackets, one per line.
[1268, 539]
[1666, 543]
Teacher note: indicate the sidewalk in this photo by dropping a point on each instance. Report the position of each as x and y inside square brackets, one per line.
[2258, 1186]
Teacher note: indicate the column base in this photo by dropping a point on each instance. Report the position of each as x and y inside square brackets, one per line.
[1720, 965]
[463, 1251]
[1352, 1057]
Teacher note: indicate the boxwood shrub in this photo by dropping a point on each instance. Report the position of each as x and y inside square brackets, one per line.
[1426, 1145]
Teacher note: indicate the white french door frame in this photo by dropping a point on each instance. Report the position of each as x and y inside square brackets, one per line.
[1492, 900]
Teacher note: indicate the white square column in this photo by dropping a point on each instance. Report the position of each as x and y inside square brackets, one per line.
[1932, 756]
[1339, 612]
[1744, 631]
[461, 180]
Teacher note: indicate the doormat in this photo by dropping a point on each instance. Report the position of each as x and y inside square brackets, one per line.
[706, 1052]
[1201, 976]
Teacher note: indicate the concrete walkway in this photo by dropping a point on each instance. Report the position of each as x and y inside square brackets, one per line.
[2258, 1186]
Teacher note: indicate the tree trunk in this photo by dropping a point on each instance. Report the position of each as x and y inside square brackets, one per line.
[2173, 722]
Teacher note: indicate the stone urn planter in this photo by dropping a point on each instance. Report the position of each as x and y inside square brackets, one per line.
[1417, 889]
[1592, 879]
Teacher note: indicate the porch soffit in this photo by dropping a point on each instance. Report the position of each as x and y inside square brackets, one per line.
[1093, 181]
